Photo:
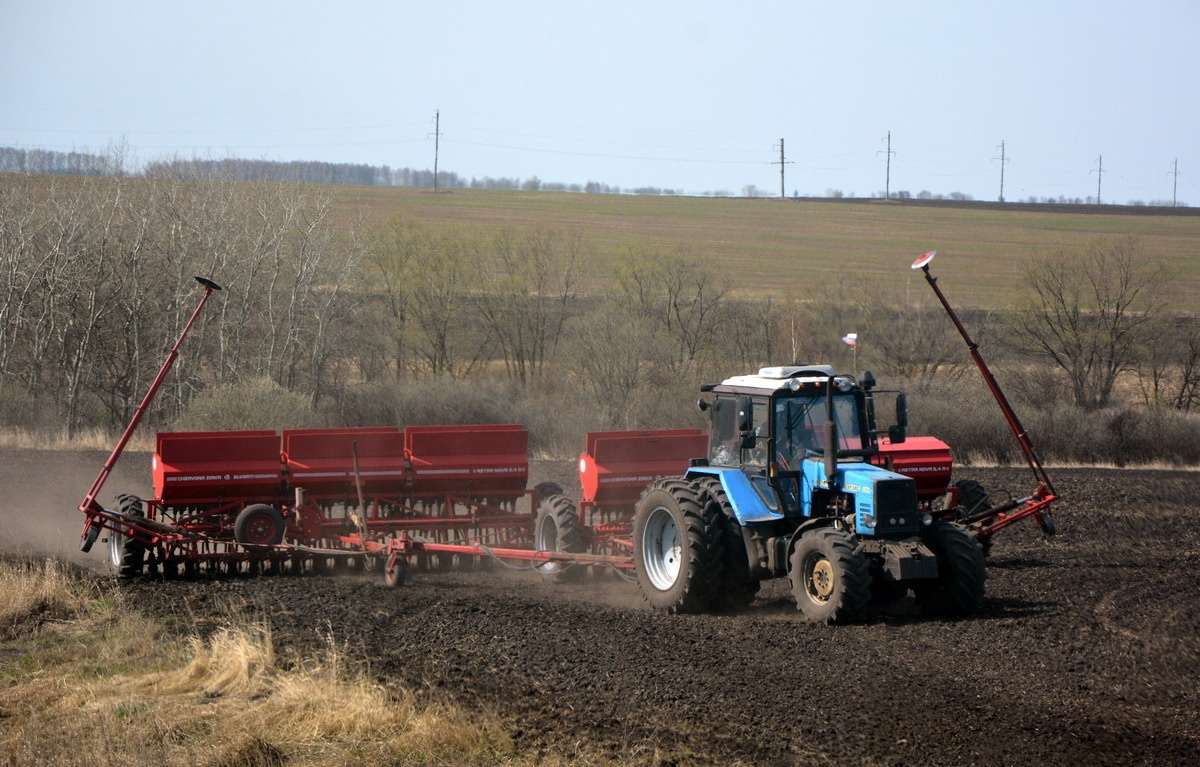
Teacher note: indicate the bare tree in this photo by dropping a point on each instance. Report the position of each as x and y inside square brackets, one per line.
[427, 274]
[1169, 364]
[680, 297]
[916, 343]
[1088, 311]
[616, 363]
[526, 291]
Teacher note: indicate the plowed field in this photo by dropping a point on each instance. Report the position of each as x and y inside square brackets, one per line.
[1086, 651]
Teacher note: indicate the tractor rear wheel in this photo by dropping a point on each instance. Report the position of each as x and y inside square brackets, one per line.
[736, 590]
[831, 577]
[677, 547]
[958, 588]
[259, 525]
[556, 528]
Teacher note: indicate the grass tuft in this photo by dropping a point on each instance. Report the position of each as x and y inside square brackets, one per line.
[92, 682]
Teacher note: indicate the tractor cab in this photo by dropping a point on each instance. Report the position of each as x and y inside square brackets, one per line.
[802, 438]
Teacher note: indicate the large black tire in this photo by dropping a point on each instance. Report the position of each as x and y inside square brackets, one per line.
[133, 559]
[831, 577]
[556, 528]
[677, 547]
[125, 555]
[973, 497]
[259, 525]
[958, 589]
[545, 489]
[736, 590]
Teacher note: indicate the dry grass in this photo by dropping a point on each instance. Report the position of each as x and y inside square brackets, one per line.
[88, 439]
[33, 592]
[88, 681]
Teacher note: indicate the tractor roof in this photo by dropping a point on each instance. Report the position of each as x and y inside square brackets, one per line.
[773, 378]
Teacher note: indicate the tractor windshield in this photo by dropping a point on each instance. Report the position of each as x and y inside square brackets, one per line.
[799, 425]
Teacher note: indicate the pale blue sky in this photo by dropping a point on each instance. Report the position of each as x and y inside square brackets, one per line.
[682, 95]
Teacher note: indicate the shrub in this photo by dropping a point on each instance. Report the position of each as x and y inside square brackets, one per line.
[255, 403]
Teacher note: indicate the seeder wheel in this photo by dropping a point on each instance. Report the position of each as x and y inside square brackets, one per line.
[396, 571]
[557, 529]
[259, 525]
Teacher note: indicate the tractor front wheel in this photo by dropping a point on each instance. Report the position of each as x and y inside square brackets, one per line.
[831, 577]
[677, 547]
[958, 588]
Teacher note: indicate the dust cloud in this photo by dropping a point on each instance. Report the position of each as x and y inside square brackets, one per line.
[41, 493]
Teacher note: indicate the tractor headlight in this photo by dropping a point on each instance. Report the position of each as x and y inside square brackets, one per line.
[868, 521]
[926, 519]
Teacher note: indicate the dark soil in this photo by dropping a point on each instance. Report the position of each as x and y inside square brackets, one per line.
[1086, 650]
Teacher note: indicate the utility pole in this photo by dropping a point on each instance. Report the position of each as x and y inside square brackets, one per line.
[437, 135]
[1003, 160]
[1175, 183]
[887, 181]
[1099, 171]
[782, 162]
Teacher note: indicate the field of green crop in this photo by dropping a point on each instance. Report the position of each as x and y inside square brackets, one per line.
[774, 247]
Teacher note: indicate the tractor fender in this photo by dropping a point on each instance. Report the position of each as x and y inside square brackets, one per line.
[747, 502]
[798, 533]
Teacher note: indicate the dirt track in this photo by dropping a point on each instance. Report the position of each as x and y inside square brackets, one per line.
[1087, 650]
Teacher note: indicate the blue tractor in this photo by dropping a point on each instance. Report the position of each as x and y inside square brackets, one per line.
[793, 486]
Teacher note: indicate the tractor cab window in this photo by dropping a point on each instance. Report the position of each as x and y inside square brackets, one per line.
[761, 424]
[724, 437]
[800, 424]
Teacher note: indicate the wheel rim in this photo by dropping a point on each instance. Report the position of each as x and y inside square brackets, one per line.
[116, 546]
[547, 535]
[260, 529]
[819, 579]
[662, 549]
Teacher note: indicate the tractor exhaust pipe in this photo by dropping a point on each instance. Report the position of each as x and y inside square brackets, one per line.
[90, 506]
[830, 435]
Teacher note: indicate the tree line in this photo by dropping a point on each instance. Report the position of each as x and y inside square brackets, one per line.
[116, 163]
[405, 322]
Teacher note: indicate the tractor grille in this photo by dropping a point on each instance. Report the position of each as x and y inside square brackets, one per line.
[896, 506]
